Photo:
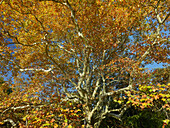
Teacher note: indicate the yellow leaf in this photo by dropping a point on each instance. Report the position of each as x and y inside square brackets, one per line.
[79, 110]
[55, 125]
[1, 123]
[60, 115]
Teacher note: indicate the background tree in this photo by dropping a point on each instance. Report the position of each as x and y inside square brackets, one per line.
[87, 54]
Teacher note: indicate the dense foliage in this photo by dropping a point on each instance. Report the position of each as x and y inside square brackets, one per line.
[82, 63]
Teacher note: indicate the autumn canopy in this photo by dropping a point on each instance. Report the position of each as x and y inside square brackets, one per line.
[83, 63]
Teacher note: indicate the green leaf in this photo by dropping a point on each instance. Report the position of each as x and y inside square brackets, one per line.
[46, 124]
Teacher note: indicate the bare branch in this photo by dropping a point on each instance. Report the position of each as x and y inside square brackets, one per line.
[11, 121]
[1, 2]
[94, 109]
[117, 91]
[158, 16]
[166, 17]
[17, 41]
[33, 69]
[96, 88]
[39, 22]
[23, 107]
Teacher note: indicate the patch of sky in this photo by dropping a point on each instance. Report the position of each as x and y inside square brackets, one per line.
[156, 65]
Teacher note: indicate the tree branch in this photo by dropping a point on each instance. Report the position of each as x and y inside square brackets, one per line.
[33, 69]
[11, 121]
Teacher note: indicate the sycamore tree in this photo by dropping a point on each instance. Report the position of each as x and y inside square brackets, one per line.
[77, 62]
